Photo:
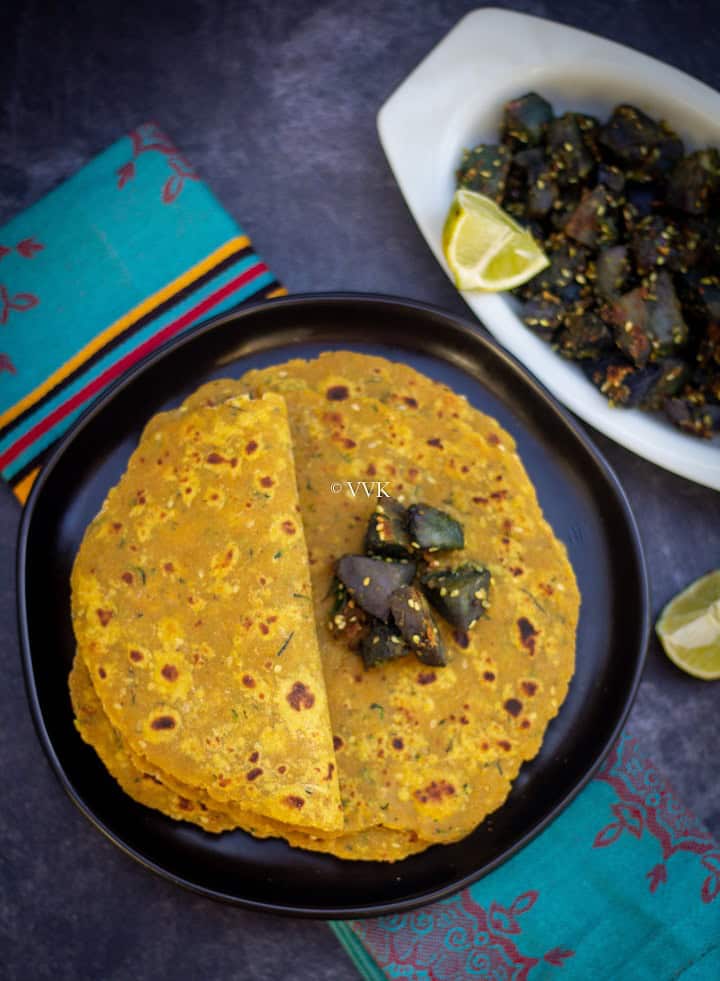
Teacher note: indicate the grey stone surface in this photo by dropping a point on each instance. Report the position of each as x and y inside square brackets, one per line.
[275, 104]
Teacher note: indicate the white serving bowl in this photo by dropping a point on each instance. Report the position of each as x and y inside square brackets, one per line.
[453, 100]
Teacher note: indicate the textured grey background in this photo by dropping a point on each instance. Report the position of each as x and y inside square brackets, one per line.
[275, 104]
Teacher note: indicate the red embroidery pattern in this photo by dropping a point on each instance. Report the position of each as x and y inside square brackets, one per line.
[456, 938]
[25, 248]
[646, 803]
[7, 365]
[28, 247]
[19, 302]
[149, 137]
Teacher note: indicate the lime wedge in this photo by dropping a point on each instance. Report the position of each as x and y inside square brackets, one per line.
[689, 628]
[485, 249]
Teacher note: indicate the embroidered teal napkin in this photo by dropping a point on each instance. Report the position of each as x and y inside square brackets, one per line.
[126, 254]
[625, 884]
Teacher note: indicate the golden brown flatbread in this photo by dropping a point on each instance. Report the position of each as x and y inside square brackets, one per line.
[192, 612]
[423, 754]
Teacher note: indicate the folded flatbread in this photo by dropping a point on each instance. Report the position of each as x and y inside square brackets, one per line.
[193, 614]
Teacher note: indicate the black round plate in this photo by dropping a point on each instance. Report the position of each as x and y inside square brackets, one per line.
[579, 495]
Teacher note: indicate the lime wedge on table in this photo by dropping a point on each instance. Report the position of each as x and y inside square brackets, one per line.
[485, 248]
[689, 628]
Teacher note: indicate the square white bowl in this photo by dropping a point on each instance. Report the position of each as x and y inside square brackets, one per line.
[453, 100]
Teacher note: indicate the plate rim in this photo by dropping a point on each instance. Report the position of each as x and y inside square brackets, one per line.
[646, 435]
[465, 326]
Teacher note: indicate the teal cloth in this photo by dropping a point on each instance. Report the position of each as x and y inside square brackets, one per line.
[625, 884]
[127, 253]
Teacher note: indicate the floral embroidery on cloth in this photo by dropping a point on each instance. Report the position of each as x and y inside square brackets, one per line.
[17, 302]
[456, 938]
[150, 138]
[647, 803]
[473, 935]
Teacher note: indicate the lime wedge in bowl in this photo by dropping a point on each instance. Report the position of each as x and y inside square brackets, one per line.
[485, 248]
[689, 628]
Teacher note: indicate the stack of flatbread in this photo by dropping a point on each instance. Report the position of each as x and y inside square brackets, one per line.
[208, 678]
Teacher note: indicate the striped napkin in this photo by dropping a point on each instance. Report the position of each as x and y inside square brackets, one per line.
[129, 252]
